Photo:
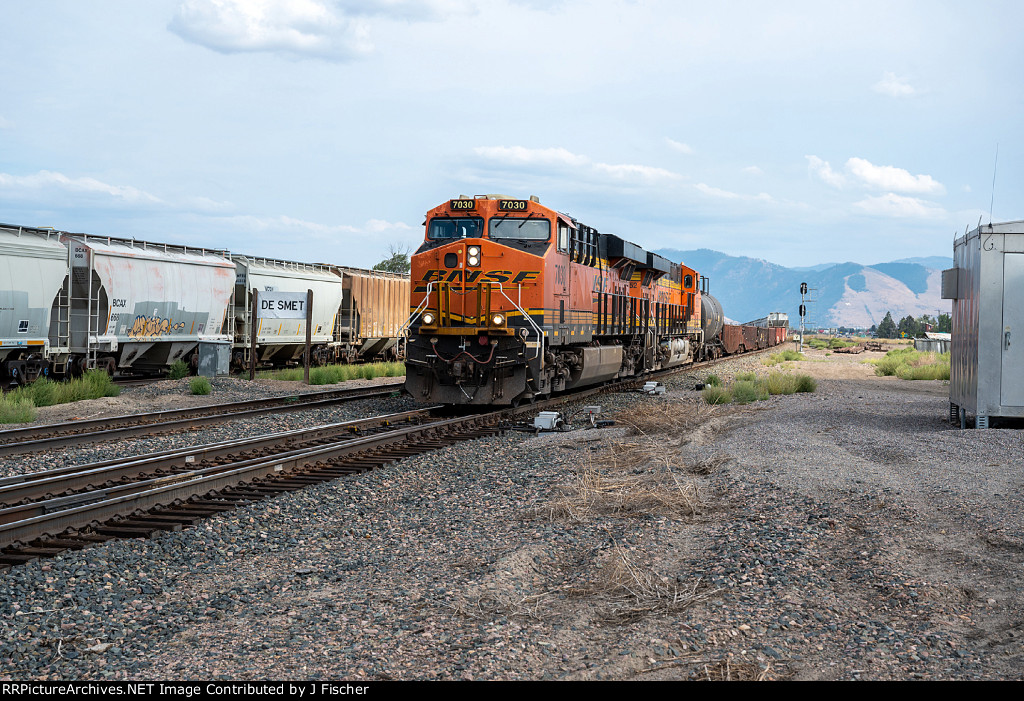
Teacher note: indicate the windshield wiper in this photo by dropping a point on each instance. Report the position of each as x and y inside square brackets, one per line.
[525, 219]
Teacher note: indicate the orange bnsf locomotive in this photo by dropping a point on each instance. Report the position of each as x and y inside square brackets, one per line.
[512, 301]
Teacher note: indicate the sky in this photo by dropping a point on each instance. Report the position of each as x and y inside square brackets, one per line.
[322, 130]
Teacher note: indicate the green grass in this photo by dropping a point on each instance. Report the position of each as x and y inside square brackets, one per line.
[199, 385]
[909, 364]
[16, 410]
[747, 388]
[178, 370]
[716, 394]
[713, 380]
[784, 356]
[332, 374]
[20, 405]
[746, 391]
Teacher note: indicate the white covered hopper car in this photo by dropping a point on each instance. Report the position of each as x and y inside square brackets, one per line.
[33, 269]
[73, 302]
[357, 314]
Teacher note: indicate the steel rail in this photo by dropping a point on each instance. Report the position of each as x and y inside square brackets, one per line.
[64, 481]
[35, 438]
[179, 488]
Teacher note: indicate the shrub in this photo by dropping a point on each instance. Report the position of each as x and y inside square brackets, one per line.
[779, 383]
[43, 392]
[16, 410]
[331, 374]
[713, 380]
[747, 391]
[908, 364]
[199, 385]
[806, 383]
[784, 356]
[716, 394]
[746, 377]
[178, 370]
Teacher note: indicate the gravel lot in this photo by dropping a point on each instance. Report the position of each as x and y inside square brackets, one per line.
[844, 534]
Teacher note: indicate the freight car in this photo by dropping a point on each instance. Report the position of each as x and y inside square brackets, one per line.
[89, 301]
[33, 266]
[356, 313]
[513, 301]
[72, 302]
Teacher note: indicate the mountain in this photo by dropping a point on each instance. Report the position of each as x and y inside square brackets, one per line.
[841, 294]
[933, 262]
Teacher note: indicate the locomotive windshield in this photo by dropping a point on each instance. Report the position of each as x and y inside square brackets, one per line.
[527, 229]
[455, 228]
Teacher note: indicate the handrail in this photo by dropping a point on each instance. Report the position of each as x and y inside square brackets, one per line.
[422, 306]
[540, 333]
[417, 312]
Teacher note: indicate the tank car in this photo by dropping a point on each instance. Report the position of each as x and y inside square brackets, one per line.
[513, 300]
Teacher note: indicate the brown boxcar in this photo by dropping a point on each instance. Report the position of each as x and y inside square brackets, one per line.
[732, 339]
[374, 308]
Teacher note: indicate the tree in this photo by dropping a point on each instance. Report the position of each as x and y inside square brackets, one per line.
[908, 326]
[398, 261]
[887, 329]
[944, 324]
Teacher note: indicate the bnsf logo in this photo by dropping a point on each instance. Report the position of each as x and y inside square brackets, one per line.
[480, 276]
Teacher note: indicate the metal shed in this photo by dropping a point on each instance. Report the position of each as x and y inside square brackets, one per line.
[987, 354]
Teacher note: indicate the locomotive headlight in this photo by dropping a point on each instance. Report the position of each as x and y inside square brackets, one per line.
[473, 260]
[428, 319]
[473, 256]
[497, 319]
[474, 250]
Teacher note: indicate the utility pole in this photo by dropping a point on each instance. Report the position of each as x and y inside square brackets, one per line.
[803, 313]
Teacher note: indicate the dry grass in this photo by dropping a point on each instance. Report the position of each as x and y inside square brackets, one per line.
[626, 590]
[675, 418]
[592, 494]
[731, 671]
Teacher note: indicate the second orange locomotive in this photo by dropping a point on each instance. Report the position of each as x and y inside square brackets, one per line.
[513, 300]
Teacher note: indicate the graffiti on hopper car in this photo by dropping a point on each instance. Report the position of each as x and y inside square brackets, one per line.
[150, 326]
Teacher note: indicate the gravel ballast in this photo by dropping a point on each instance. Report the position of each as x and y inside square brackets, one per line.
[844, 534]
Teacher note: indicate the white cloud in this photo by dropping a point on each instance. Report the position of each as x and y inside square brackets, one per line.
[521, 156]
[681, 147]
[46, 181]
[892, 205]
[562, 159]
[336, 30]
[753, 170]
[865, 173]
[824, 171]
[292, 226]
[894, 86]
[302, 27]
[892, 178]
[727, 195]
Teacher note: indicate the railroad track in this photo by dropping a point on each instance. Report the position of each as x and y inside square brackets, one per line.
[45, 513]
[39, 438]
